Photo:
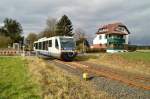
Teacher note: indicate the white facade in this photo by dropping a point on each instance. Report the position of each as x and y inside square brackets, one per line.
[126, 39]
[100, 39]
[115, 51]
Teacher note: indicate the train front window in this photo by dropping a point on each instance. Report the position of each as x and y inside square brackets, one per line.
[67, 43]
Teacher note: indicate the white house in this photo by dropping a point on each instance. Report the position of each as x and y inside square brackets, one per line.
[111, 37]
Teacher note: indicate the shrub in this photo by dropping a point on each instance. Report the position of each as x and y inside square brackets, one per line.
[130, 48]
[95, 50]
[5, 41]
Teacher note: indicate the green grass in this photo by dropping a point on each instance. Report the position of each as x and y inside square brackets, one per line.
[15, 82]
[137, 56]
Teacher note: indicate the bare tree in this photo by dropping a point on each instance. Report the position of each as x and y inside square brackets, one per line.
[49, 31]
[51, 24]
[81, 40]
[79, 33]
[50, 28]
[30, 40]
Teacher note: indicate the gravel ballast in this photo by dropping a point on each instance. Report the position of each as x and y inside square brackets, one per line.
[113, 87]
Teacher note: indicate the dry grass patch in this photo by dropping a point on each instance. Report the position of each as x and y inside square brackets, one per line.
[58, 84]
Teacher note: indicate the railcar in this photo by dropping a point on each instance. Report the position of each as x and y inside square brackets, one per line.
[61, 47]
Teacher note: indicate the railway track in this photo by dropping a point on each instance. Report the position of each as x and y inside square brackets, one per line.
[106, 73]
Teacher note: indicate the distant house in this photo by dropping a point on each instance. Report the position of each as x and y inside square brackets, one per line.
[111, 37]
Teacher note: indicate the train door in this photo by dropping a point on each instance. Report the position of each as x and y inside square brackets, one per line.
[55, 51]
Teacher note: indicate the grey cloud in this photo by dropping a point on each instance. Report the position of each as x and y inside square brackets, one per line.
[88, 15]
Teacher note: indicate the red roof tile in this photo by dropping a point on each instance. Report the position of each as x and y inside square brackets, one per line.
[111, 29]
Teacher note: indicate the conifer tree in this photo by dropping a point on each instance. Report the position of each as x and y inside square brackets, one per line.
[64, 27]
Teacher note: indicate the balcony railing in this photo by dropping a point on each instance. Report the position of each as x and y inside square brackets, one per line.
[116, 40]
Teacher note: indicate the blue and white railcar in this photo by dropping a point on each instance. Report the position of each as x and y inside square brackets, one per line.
[61, 47]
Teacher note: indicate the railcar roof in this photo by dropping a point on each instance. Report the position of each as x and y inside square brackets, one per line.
[45, 38]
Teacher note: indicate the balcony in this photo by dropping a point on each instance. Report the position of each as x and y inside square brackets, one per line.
[116, 40]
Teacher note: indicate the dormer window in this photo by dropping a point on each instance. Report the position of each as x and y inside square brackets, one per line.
[103, 30]
[120, 29]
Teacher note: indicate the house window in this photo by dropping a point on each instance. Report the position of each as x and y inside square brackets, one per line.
[100, 37]
[105, 36]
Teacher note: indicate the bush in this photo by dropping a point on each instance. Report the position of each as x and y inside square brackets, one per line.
[95, 50]
[5, 41]
[130, 48]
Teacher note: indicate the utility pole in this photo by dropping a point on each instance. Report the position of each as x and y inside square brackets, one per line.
[23, 52]
[83, 46]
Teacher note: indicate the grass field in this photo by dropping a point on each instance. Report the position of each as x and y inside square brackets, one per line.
[134, 62]
[15, 82]
[33, 78]
[137, 56]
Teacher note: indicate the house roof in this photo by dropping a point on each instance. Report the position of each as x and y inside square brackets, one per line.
[112, 29]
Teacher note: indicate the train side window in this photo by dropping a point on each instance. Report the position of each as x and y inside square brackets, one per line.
[36, 45]
[50, 43]
[56, 43]
[44, 45]
[40, 45]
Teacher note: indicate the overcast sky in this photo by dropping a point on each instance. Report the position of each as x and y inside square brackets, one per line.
[86, 14]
